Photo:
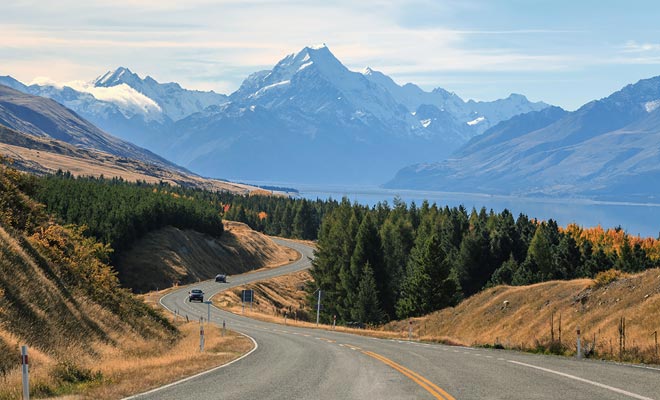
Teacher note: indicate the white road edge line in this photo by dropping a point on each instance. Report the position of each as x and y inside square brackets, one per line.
[158, 389]
[600, 385]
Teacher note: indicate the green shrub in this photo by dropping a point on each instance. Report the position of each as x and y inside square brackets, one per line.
[606, 277]
[68, 372]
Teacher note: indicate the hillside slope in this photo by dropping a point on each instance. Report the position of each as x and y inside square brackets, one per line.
[519, 316]
[169, 256]
[59, 297]
[607, 149]
[42, 117]
[39, 155]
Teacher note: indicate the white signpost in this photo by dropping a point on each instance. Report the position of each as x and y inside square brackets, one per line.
[26, 379]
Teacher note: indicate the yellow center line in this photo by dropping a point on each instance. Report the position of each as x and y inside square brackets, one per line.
[429, 386]
[327, 340]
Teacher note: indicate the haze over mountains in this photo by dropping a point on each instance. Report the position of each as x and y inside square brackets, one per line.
[42, 117]
[607, 149]
[309, 119]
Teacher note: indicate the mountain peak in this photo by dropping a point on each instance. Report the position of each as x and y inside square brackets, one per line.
[517, 96]
[116, 77]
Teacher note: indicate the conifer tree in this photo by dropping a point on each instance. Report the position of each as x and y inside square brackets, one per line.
[367, 308]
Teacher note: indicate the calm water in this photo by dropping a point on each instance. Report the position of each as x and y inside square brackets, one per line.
[635, 218]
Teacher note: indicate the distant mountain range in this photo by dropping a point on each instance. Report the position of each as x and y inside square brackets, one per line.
[308, 119]
[607, 149]
[42, 117]
[42, 136]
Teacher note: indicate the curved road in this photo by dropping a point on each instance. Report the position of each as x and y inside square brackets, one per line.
[300, 363]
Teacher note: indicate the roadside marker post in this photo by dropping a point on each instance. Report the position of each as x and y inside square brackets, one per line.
[26, 375]
[201, 337]
[409, 330]
[334, 322]
[579, 349]
[318, 308]
[224, 326]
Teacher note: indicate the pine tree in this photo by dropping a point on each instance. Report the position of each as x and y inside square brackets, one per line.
[428, 284]
[367, 308]
[368, 249]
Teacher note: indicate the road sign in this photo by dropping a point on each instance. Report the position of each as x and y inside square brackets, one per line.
[247, 295]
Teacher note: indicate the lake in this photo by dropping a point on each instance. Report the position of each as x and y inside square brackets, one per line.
[636, 218]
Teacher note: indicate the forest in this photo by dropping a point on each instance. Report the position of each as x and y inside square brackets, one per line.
[373, 264]
[381, 263]
[117, 212]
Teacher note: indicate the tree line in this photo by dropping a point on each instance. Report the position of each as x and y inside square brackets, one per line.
[117, 212]
[381, 263]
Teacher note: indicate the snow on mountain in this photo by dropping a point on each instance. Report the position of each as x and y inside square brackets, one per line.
[331, 124]
[128, 100]
[174, 101]
[608, 149]
[313, 80]
[479, 115]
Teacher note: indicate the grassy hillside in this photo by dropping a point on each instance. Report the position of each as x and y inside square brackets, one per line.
[520, 317]
[86, 335]
[41, 156]
[171, 256]
[52, 281]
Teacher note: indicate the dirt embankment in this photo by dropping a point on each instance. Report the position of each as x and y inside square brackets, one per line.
[171, 256]
[520, 317]
[273, 297]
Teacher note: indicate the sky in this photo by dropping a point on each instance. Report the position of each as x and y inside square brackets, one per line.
[562, 52]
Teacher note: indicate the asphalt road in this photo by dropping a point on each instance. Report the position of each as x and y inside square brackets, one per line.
[300, 363]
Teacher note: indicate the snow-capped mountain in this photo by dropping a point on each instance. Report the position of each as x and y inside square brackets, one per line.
[307, 119]
[332, 124]
[142, 111]
[42, 117]
[477, 115]
[171, 99]
[608, 148]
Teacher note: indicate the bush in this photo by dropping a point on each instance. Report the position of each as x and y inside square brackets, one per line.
[68, 372]
[606, 277]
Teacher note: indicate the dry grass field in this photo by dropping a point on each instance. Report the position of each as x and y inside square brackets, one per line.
[520, 317]
[511, 317]
[171, 256]
[44, 155]
[129, 367]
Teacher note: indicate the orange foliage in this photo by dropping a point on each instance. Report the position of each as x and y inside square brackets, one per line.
[262, 215]
[610, 240]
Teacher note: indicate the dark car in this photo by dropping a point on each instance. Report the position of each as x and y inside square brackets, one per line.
[196, 295]
[221, 278]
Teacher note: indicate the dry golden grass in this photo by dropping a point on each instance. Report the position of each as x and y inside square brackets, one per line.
[144, 366]
[519, 317]
[286, 293]
[133, 365]
[164, 257]
[45, 155]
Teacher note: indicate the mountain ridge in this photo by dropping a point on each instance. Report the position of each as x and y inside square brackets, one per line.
[308, 106]
[608, 149]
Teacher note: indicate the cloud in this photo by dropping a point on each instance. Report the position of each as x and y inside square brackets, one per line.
[215, 44]
[635, 47]
[130, 101]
